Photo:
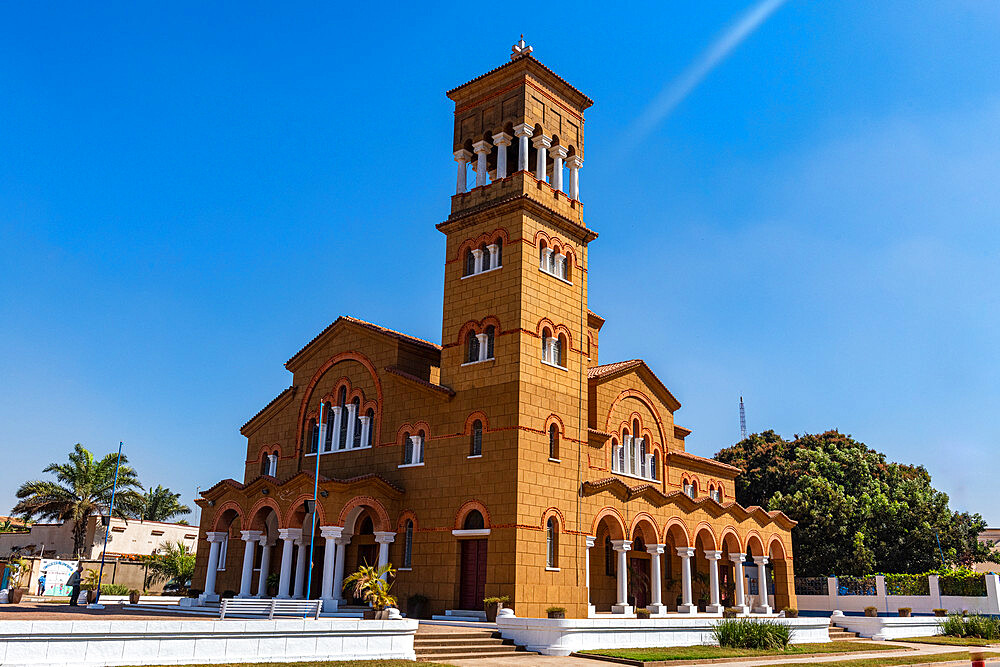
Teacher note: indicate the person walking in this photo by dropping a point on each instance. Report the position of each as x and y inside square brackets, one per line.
[74, 584]
[41, 584]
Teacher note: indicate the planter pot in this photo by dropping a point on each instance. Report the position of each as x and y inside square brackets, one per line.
[557, 614]
[133, 597]
[372, 615]
[491, 612]
[416, 609]
[15, 595]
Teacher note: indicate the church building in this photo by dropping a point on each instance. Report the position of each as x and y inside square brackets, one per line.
[506, 459]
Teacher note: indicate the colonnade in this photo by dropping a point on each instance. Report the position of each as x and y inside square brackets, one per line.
[687, 555]
[294, 549]
[543, 148]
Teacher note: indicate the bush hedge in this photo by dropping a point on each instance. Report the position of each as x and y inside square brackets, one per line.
[980, 627]
[751, 633]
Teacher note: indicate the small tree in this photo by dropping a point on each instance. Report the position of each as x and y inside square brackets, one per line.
[370, 586]
[173, 562]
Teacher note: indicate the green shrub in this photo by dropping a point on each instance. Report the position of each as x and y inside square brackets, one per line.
[751, 633]
[499, 599]
[907, 584]
[109, 589]
[555, 610]
[642, 613]
[964, 583]
[730, 612]
[976, 625]
[791, 612]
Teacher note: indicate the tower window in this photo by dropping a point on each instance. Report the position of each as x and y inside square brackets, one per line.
[553, 442]
[371, 427]
[265, 463]
[472, 348]
[356, 413]
[413, 449]
[490, 331]
[313, 437]
[328, 436]
[551, 543]
[559, 357]
[408, 545]
[486, 257]
[342, 436]
[470, 263]
[476, 440]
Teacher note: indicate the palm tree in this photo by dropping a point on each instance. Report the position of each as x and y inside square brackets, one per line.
[82, 488]
[160, 504]
[172, 562]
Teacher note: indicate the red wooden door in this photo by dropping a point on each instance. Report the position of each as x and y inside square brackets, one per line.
[472, 577]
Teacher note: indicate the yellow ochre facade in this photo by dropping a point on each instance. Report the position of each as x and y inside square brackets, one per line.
[505, 460]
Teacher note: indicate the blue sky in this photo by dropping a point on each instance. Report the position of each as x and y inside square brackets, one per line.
[189, 194]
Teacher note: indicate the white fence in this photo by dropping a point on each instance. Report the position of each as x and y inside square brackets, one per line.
[890, 604]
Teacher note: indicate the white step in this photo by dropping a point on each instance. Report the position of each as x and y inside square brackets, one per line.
[468, 615]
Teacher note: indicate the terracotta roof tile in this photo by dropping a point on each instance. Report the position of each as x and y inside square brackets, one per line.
[608, 369]
[588, 102]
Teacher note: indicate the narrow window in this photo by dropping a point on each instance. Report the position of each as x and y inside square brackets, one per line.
[476, 442]
[553, 441]
[609, 557]
[655, 465]
[490, 330]
[472, 344]
[265, 464]
[499, 245]
[313, 437]
[357, 422]
[420, 448]
[567, 267]
[621, 452]
[614, 455]
[552, 261]
[486, 257]
[371, 427]
[551, 543]
[223, 552]
[631, 456]
[470, 263]
[408, 545]
[542, 260]
[342, 436]
[328, 436]
[560, 352]
[642, 458]
[546, 346]
[407, 449]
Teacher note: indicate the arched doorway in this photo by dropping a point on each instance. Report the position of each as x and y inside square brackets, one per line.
[472, 561]
[604, 562]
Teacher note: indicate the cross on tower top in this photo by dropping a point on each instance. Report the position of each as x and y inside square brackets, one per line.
[519, 49]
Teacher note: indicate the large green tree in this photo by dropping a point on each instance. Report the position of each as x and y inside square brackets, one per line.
[82, 488]
[857, 512]
[160, 504]
[172, 562]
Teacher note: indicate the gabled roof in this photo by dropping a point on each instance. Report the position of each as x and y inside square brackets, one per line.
[395, 370]
[391, 333]
[605, 372]
[594, 320]
[711, 463]
[288, 393]
[218, 489]
[529, 62]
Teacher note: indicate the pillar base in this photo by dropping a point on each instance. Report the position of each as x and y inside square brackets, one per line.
[591, 611]
[714, 608]
[622, 609]
[286, 596]
[245, 596]
[330, 604]
[762, 609]
[208, 597]
[687, 609]
[657, 609]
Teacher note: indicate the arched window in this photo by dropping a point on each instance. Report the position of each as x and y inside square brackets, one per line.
[499, 244]
[694, 488]
[553, 442]
[357, 422]
[265, 464]
[551, 543]
[473, 521]
[609, 557]
[313, 434]
[420, 447]
[476, 440]
[408, 545]
[614, 455]
[559, 356]
[342, 436]
[470, 263]
[272, 468]
[720, 496]
[328, 436]
[486, 257]
[490, 332]
[543, 256]
[407, 449]
[553, 261]
[567, 267]
[631, 455]
[371, 427]
[622, 453]
[655, 472]
[546, 345]
[367, 526]
[643, 464]
[472, 347]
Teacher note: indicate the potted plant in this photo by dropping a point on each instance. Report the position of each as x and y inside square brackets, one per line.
[904, 612]
[871, 611]
[940, 612]
[416, 606]
[791, 612]
[730, 612]
[372, 585]
[272, 583]
[493, 605]
[642, 613]
[556, 612]
[133, 596]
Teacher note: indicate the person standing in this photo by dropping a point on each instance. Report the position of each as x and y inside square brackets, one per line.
[74, 583]
[41, 584]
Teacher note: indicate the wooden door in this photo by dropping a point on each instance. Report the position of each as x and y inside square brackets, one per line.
[472, 576]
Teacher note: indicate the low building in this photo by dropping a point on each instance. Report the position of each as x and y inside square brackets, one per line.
[990, 536]
[126, 538]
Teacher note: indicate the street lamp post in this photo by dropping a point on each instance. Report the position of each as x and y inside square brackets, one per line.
[107, 530]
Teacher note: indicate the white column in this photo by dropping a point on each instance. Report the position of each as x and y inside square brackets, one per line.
[558, 155]
[493, 250]
[764, 607]
[687, 604]
[741, 596]
[384, 539]
[477, 255]
[287, 537]
[418, 448]
[330, 534]
[541, 143]
[523, 132]
[338, 566]
[250, 538]
[366, 425]
[657, 608]
[301, 563]
[265, 566]
[622, 547]
[590, 540]
[574, 163]
[215, 540]
[462, 157]
[713, 581]
[637, 463]
[337, 416]
[501, 141]
[483, 345]
[352, 423]
[545, 260]
[482, 150]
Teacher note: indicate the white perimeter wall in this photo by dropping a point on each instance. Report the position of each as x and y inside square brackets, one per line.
[890, 627]
[107, 643]
[551, 636]
[890, 604]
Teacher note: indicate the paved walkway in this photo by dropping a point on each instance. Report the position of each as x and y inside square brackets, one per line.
[48, 611]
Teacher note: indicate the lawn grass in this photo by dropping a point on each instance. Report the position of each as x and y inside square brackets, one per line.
[889, 662]
[706, 652]
[952, 641]
[325, 663]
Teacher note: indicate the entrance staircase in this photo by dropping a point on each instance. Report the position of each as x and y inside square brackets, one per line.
[466, 615]
[839, 634]
[438, 644]
[212, 609]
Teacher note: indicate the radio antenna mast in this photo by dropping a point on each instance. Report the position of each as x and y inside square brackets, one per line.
[743, 421]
